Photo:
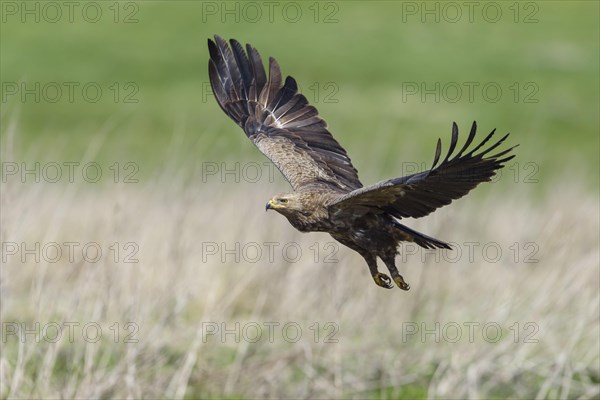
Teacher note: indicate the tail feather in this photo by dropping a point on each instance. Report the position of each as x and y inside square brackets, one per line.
[423, 240]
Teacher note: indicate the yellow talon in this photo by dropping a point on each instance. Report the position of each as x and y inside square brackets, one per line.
[401, 282]
[383, 280]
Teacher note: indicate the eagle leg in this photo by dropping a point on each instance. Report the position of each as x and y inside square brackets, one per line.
[380, 278]
[390, 262]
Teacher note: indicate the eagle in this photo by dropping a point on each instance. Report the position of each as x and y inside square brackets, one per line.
[327, 194]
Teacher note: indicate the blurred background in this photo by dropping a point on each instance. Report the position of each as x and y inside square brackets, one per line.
[112, 140]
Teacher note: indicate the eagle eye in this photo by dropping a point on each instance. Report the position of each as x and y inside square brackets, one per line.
[284, 201]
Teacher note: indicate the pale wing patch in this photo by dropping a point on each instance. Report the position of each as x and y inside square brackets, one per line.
[296, 165]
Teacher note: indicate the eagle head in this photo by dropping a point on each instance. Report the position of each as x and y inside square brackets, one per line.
[301, 209]
[287, 203]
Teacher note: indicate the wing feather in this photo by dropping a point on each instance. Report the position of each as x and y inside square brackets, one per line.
[420, 194]
[267, 94]
[278, 119]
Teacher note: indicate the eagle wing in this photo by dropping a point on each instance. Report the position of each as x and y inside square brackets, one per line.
[277, 118]
[420, 194]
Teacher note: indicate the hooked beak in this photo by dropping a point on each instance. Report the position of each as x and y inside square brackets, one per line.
[269, 205]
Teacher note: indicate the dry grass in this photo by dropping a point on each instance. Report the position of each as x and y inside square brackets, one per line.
[176, 292]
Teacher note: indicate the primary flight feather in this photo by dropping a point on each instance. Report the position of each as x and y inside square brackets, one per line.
[328, 196]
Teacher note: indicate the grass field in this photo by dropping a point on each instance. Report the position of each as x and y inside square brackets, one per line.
[137, 260]
[519, 323]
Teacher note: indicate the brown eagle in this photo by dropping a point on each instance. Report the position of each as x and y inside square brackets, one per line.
[328, 196]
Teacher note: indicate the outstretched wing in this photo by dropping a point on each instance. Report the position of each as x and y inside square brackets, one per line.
[277, 118]
[420, 194]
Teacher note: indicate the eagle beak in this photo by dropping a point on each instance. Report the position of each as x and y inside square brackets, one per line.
[269, 205]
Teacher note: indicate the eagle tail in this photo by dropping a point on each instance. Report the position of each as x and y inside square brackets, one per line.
[421, 239]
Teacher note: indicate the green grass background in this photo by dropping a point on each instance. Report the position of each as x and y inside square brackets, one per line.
[368, 52]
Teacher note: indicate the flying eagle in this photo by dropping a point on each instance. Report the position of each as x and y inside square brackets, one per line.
[328, 196]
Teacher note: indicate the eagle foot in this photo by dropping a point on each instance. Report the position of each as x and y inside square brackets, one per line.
[383, 280]
[401, 282]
